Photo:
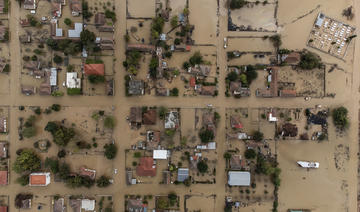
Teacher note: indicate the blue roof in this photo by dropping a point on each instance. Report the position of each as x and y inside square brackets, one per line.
[183, 174]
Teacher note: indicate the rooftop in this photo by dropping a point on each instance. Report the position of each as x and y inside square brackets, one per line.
[3, 177]
[39, 179]
[238, 178]
[146, 167]
[94, 69]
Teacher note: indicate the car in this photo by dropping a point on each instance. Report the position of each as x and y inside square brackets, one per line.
[225, 43]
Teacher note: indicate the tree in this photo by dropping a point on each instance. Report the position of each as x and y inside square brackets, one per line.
[52, 164]
[61, 153]
[103, 182]
[20, 198]
[310, 61]
[95, 79]
[340, 117]
[196, 59]
[276, 40]
[64, 171]
[174, 21]
[61, 135]
[258, 136]
[162, 112]
[23, 180]
[154, 63]
[67, 21]
[232, 76]
[58, 59]
[237, 4]
[227, 155]
[250, 154]
[202, 166]
[110, 14]
[110, 151]
[109, 122]
[29, 132]
[206, 135]
[27, 161]
[174, 92]
[172, 198]
[87, 37]
[56, 107]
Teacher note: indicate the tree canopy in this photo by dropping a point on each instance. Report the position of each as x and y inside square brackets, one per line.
[110, 151]
[340, 117]
[202, 166]
[258, 136]
[206, 135]
[27, 161]
[310, 61]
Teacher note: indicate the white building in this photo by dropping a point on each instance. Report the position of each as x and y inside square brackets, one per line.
[161, 154]
[87, 204]
[72, 81]
[53, 77]
[75, 33]
[238, 178]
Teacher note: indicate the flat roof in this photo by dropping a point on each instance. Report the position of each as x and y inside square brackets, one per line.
[160, 154]
[238, 178]
[39, 179]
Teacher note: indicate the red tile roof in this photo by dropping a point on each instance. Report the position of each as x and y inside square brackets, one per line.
[146, 167]
[192, 82]
[3, 177]
[38, 179]
[3, 209]
[94, 69]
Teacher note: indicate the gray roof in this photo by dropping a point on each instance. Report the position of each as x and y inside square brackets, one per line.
[183, 174]
[136, 87]
[238, 178]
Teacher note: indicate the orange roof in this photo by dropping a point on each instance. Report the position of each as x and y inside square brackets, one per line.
[38, 179]
[3, 177]
[94, 69]
[3, 209]
[146, 167]
[192, 81]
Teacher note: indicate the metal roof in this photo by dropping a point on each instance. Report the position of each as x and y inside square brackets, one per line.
[238, 178]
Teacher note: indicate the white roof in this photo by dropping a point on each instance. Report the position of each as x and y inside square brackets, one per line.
[307, 164]
[272, 118]
[238, 178]
[87, 204]
[319, 20]
[72, 81]
[160, 154]
[53, 77]
[75, 33]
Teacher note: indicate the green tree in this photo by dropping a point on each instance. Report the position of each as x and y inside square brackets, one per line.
[67, 21]
[237, 4]
[103, 182]
[196, 59]
[23, 180]
[56, 107]
[310, 61]
[174, 21]
[87, 37]
[202, 166]
[57, 59]
[174, 92]
[250, 154]
[109, 122]
[232, 76]
[340, 117]
[29, 132]
[52, 164]
[110, 151]
[154, 63]
[227, 155]
[258, 136]
[27, 161]
[206, 135]
[95, 79]
[276, 40]
[110, 14]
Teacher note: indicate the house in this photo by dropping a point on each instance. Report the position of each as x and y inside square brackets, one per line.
[136, 87]
[54, 30]
[200, 70]
[29, 4]
[162, 92]
[2, 6]
[94, 69]
[28, 90]
[289, 130]
[146, 168]
[135, 118]
[208, 121]
[292, 59]
[100, 19]
[3, 150]
[105, 28]
[149, 117]
[140, 47]
[87, 173]
[72, 81]
[183, 174]
[56, 9]
[152, 139]
[75, 204]
[76, 7]
[237, 90]
[3, 208]
[237, 163]
[58, 205]
[208, 90]
[32, 65]
[4, 33]
[88, 205]
[287, 93]
[39, 179]
[45, 89]
[75, 33]
[238, 178]
[110, 87]
[172, 120]
[53, 77]
[192, 82]
[235, 122]
[25, 38]
[135, 205]
[161, 154]
[3, 177]
[3, 125]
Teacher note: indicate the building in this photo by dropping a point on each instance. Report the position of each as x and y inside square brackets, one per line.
[58, 205]
[88, 205]
[162, 92]
[172, 120]
[140, 47]
[161, 154]
[183, 174]
[135, 116]
[146, 168]
[3, 208]
[152, 140]
[200, 70]
[2, 6]
[100, 19]
[76, 7]
[149, 117]
[235, 122]
[135, 205]
[3, 125]
[28, 90]
[110, 87]
[237, 90]
[94, 69]
[3, 177]
[39, 179]
[292, 59]
[54, 30]
[29, 4]
[208, 90]
[136, 87]
[72, 81]
[45, 89]
[287, 93]
[4, 33]
[53, 77]
[56, 9]
[87, 173]
[75, 33]
[3, 150]
[237, 163]
[289, 130]
[238, 178]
